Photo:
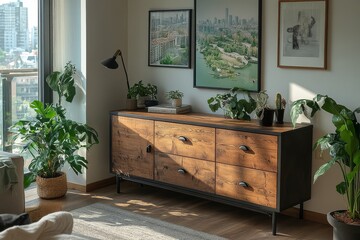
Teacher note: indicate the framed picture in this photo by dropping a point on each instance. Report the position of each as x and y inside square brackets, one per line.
[228, 44]
[302, 34]
[170, 38]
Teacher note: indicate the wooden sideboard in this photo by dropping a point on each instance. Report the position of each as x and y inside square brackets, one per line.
[266, 169]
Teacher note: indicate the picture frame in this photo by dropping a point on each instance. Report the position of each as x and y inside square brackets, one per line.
[170, 38]
[228, 44]
[302, 34]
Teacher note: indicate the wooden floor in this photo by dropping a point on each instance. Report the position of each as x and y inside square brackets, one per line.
[202, 215]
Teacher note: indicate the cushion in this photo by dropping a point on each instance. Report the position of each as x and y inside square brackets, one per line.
[9, 220]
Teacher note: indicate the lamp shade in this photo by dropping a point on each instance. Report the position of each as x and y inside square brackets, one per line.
[110, 63]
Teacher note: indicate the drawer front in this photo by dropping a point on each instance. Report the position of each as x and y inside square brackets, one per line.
[250, 185]
[186, 172]
[185, 140]
[244, 149]
[130, 153]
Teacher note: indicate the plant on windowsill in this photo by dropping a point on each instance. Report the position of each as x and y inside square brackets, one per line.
[343, 146]
[232, 106]
[53, 140]
[175, 96]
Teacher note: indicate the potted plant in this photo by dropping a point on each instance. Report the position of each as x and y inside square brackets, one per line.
[175, 96]
[344, 150]
[263, 111]
[232, 106]
[131, 101]
[280, 104]
[52, 139]
[152, 92]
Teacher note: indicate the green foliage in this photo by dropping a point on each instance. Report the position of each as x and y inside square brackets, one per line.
[233, 107]
[51, 138]
[174, 94]
[140, 89]
[343, 145]
[278, 101]
[63, 83]
[261, 103]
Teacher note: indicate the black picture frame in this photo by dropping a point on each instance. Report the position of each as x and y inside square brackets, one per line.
[228, 44]
[169, 43]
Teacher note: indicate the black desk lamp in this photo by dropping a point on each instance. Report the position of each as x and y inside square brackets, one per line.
[112, 64]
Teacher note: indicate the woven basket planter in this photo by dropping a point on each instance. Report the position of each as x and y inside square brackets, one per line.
[50, 188]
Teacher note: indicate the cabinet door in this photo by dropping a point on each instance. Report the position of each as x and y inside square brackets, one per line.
[132, 147]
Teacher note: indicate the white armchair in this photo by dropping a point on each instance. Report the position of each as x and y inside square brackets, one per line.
[12, 198]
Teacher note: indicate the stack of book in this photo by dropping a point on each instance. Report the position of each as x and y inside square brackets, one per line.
[167, 108]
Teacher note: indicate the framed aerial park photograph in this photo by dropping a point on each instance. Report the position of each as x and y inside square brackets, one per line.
[170, 38]
[228, 44]
[302, 34]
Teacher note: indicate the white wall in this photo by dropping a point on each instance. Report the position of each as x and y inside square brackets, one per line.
[341, 80]
[87, 32]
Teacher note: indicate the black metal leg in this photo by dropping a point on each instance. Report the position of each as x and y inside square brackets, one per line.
[118, 180]
[274, 221]
[301, 211]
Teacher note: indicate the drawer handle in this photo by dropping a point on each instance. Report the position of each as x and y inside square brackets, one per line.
[148, 148]
[181, 171]
[244, 184]
[183, 139]
[244, 147]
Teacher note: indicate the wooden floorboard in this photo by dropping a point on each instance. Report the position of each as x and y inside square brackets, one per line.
[202, 215]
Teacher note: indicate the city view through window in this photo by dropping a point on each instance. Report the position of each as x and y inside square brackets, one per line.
[19, 83]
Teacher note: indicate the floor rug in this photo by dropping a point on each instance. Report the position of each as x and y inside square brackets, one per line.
[101, 221]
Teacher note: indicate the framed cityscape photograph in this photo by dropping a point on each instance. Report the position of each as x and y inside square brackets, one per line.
[302, 34]
[228, 44]
[170, 38]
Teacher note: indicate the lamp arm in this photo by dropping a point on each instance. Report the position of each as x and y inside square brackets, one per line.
[118, 52]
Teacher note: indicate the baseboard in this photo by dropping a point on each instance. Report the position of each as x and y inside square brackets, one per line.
[308, 215]
[92, 186]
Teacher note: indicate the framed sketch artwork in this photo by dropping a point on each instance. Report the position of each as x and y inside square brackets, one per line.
[228, 44]
[302, 33]
[170, 38]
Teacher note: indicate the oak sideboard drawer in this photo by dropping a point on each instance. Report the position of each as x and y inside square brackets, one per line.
[245, 149]
[185, 140]
[246, 184]
[186, 172]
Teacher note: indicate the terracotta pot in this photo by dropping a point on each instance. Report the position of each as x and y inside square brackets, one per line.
[50, 188]
[341, 230]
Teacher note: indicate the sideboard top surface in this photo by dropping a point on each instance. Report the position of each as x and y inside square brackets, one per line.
[212, 120]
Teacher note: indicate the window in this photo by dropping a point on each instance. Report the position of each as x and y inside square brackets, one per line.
[24, 50]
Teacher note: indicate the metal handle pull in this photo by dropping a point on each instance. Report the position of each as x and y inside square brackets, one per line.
[181, 171]
[244, 184]
[182, 138]
[148, 148]
[244, 147]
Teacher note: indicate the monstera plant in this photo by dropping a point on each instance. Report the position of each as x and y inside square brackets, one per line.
[343, 145]
[51, 138]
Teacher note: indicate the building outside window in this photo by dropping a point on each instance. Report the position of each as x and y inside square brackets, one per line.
[20, 79]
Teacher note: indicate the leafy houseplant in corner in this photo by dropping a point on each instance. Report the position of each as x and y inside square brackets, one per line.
[175, 96]
[263, 111]
[53, 140]
[344, 149]
[232, 106]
